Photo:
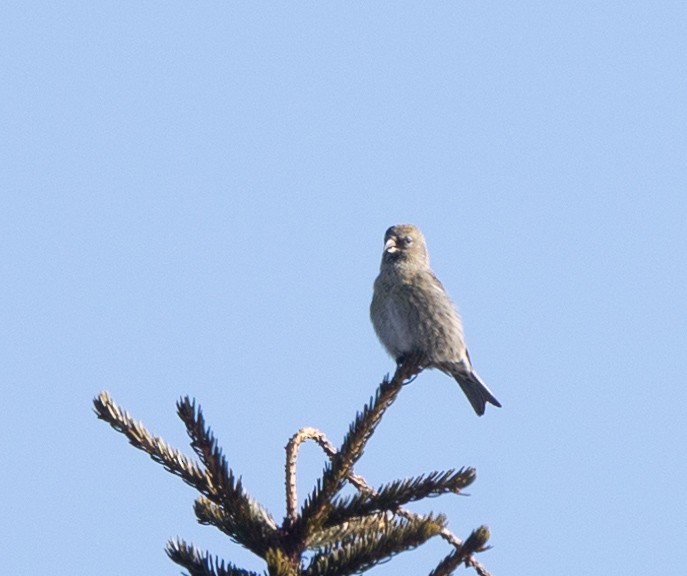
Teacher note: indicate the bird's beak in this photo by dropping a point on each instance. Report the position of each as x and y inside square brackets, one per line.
[390, 245]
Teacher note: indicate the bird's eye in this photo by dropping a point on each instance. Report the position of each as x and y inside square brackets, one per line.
[408, 240]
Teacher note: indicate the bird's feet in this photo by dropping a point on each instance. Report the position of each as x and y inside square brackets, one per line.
[408, 366]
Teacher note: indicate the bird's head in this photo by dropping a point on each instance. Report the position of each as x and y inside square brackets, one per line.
[404, 243]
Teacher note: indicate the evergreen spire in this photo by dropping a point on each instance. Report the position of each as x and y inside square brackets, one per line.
[330, 535]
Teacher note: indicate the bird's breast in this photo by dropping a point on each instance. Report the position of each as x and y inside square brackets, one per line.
[392, 320]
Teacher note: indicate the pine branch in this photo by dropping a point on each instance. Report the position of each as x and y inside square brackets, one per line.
[476, 542]
[366, 422]
[201, 563]
[360, 483]
[340, 532]
[244, 523]
[205, 445]
[314, 511]
[237, 514]
[391, 496]
[329, 535]
[361, 551]
[171, 458]
[279, 564]
[230, 508]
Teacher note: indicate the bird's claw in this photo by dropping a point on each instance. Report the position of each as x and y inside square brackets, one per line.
[410, 380]
[410, 365]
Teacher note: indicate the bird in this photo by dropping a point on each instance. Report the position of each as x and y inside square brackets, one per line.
[414, 317]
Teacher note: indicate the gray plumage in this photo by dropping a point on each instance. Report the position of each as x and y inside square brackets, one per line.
[413, 315]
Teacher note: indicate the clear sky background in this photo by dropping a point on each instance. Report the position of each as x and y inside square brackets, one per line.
[194, 197]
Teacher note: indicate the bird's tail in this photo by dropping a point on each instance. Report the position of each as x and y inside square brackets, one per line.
[477, 392]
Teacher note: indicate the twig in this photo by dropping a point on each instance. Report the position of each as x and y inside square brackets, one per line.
[291, 456]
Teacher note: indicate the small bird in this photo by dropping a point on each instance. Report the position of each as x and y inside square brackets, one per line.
[413, 315]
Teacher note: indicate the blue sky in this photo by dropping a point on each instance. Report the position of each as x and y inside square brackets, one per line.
[193, 202]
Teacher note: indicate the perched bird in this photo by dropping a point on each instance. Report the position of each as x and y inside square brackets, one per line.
[413, 315]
